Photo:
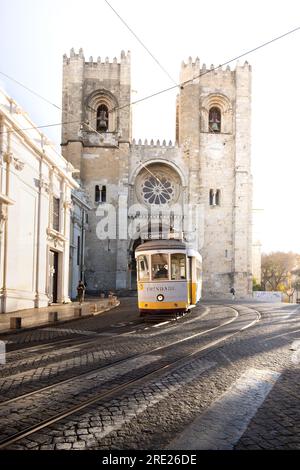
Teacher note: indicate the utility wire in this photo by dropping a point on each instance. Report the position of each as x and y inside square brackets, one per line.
[181, 85]
[30, 90]
[142, 44]
[41, 127]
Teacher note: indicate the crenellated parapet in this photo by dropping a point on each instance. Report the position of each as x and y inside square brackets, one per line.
[151, 143]
[192, 71]
[100, 68]
[125, 59]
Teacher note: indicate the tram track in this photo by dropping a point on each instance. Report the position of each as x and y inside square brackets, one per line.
[92, 335]
[113, 364]
[100, 396]
[77, 342]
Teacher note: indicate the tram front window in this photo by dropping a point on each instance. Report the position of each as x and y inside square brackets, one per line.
[143, 268]
[178, 266]
[160, 266]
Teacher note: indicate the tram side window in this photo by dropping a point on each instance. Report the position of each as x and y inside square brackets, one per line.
[178, 266]
[143, 268]
[160, 266]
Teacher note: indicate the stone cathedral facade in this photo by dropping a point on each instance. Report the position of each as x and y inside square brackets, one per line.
[147, 184]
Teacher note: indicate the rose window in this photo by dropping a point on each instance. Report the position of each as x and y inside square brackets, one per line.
[157, 190]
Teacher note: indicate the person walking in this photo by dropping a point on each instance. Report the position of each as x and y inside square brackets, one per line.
[80, 292]
[232, 291]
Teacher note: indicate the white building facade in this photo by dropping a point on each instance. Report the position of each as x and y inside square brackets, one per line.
[35, 201]
[79, 226]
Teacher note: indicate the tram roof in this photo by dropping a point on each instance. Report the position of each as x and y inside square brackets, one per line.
[161, 245]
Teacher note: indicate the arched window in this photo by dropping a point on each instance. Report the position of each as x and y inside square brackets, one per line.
[211, 197]
[97, 193]
[100, 194]
[214, 120]
[103, 194]
[218, 197]
[102, 118]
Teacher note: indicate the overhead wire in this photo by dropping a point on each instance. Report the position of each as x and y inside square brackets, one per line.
[180, 85]
[29, 89]
[140, 42]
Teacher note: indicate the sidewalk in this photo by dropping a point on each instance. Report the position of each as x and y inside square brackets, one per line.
[36, 317]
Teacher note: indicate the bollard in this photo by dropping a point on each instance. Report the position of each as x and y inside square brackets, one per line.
[15, 323]
[115, 299]
[77, 312]
[110, 299]
[102, 295]
[52, 316]
[93, 308]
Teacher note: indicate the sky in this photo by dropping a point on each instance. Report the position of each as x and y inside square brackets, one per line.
[34, 35]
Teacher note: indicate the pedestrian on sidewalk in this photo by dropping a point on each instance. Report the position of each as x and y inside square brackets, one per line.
[232, 291]
[80, 292]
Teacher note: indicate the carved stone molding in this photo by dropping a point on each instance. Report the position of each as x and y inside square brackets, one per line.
[9, 158]
[18, 164]
[56, 237]
[68, 205]
[3, 216]
[42, 184]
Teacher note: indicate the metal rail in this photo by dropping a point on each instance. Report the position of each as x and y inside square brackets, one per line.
[119, 388]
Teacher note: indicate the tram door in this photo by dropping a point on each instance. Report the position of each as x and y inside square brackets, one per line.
[190, 284]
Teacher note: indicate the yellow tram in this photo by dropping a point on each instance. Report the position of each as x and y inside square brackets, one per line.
[169, 277]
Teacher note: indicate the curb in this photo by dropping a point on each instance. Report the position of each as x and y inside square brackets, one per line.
[59, 322]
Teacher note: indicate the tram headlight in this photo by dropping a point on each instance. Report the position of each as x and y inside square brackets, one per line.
[160, 297]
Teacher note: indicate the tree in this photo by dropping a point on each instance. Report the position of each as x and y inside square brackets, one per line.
[276, 268]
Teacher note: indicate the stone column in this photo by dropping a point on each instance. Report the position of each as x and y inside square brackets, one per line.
[66, 252]
[41, 268]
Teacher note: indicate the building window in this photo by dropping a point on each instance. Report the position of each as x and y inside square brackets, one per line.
[214, 120]
[214, 197]
[157, 190]
[55, 213]
[103, 194]
[78, 251]
[172, 222]
[102, 118]
[100, 194]
[97, 193]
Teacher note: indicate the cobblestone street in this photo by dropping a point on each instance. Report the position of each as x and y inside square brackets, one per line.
[222, 377]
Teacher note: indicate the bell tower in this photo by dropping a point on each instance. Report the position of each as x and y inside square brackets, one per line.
[96, 136]
[213, 130]
[96, 104]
